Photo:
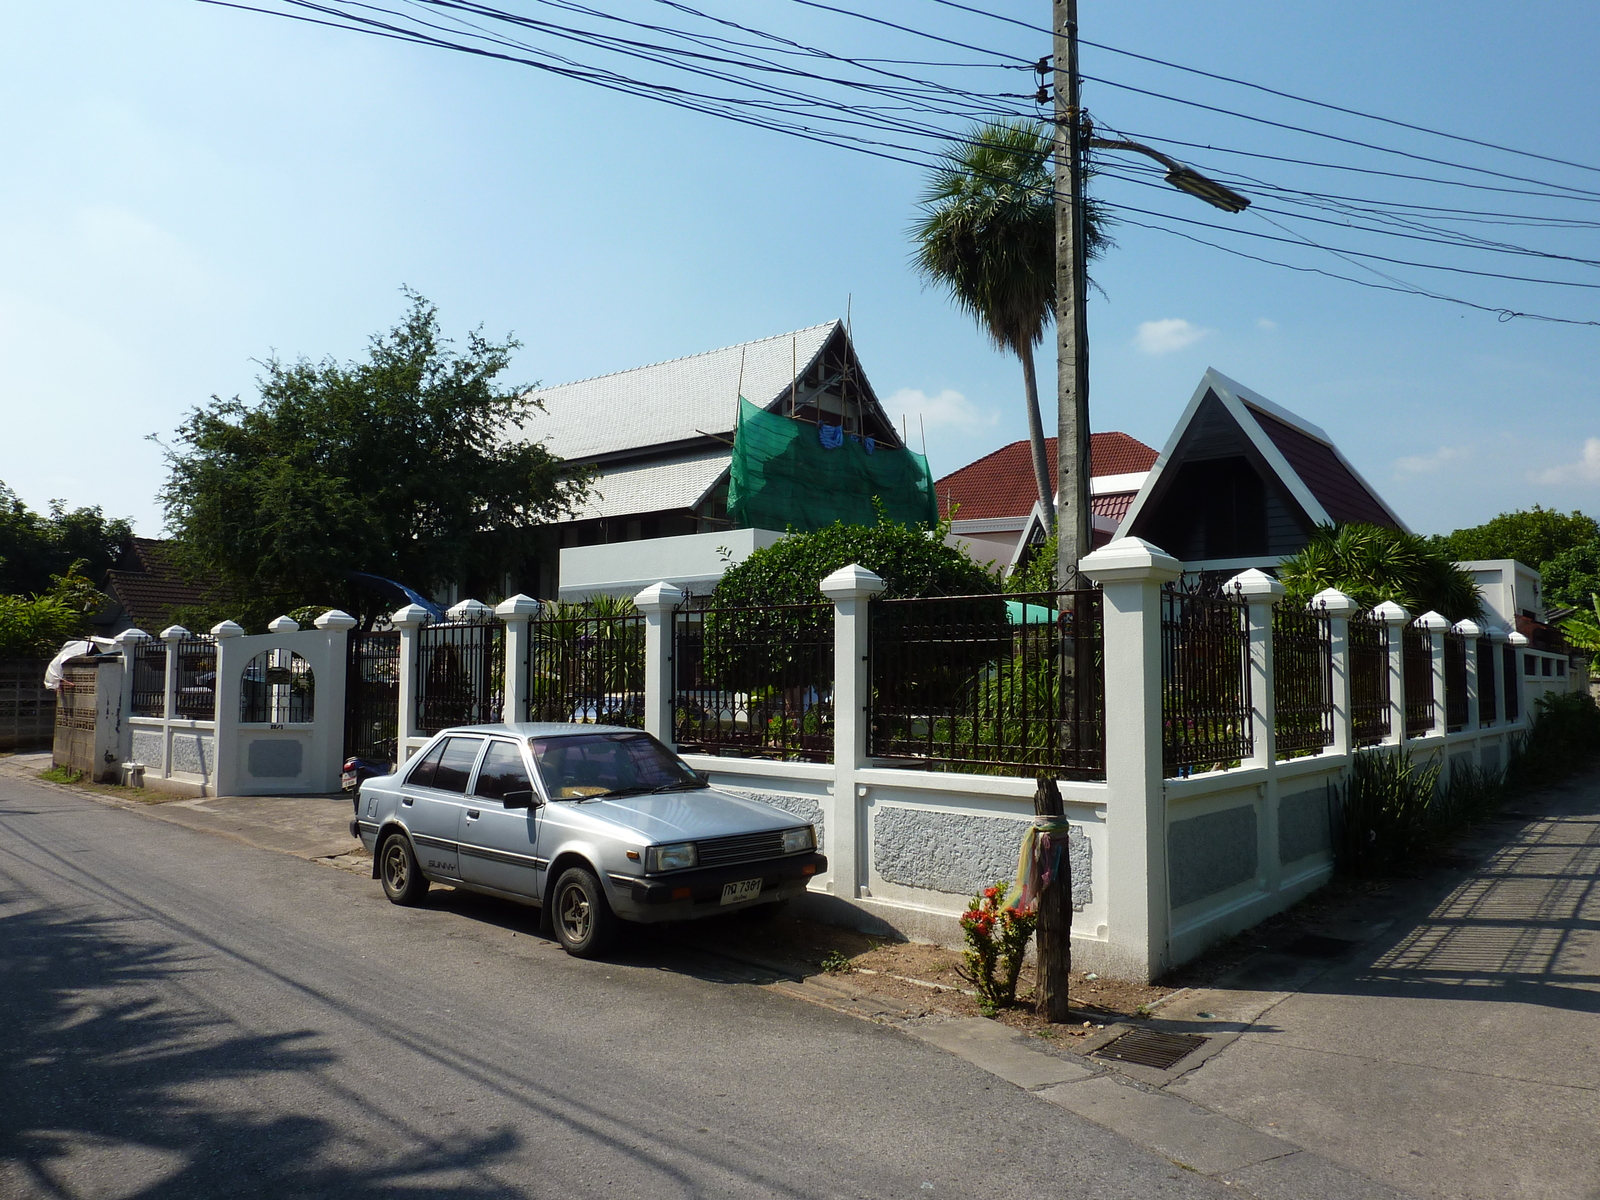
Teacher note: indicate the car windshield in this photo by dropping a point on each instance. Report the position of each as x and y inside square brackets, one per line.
[592, 765]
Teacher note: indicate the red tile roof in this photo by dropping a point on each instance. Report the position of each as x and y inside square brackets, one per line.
[1002, 485]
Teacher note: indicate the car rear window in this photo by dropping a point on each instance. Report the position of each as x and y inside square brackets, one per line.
[502, 771]
[594, 763]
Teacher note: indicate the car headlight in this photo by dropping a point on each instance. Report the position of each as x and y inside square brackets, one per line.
[796, 840]
[669, 858]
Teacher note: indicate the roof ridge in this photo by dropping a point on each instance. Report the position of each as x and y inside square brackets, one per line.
[686, 357]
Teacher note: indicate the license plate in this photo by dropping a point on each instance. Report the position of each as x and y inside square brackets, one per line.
[745, 889]
[347, 780]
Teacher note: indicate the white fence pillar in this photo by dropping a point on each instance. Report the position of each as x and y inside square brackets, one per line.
[1497, 635]
[1470, 632]
[658, 602]
[1340, 608]
[516, 611]
[172, 635]
[1131, 573]
[1434, 625]
[128, 641]
[328, 746]
[1395, 619]
[407, 620]
[1518, 643]
[226, 770]
[851, 589]
[1262, 592]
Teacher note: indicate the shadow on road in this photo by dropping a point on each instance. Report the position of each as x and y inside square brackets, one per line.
[106, 1083]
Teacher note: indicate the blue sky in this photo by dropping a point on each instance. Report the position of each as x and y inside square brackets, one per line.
[189, 188]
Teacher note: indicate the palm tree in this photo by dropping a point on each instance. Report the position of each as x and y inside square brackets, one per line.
[988, 234]
[1373, 563]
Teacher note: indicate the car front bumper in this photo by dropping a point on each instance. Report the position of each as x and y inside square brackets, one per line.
[684, 895]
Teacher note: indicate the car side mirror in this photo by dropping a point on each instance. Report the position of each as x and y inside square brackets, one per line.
[520, 798]
[704, 777]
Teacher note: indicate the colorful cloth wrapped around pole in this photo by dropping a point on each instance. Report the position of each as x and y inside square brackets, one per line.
[1044, 846]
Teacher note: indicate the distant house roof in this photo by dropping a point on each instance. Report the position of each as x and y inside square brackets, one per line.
[1001, 484]
[1244, 478]
[683, 400]
[148, 588]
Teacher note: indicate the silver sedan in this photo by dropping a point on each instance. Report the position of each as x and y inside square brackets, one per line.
[590, 822]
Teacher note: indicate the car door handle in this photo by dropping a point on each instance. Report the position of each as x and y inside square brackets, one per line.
[473, 814]
[405, 799]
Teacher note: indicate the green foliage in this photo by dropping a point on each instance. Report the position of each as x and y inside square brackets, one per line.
[34, 548]
[392, 465]
[1038, 573]
[912, 561]
[1573, 576]
[1533, 536]
[588, 663]
[1582, 628]
[60, 775]
[37, 626]
[997, 941]
[835, 962]
[1380, 815]
[1563, 737]
[1373, 563]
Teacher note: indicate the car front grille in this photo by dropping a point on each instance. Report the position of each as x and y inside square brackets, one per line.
[747, 847]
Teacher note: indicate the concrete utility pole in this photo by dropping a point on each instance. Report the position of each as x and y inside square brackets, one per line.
[1072, 329]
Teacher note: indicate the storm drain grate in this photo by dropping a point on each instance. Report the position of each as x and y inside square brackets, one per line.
[1150, 1047]
[1316, 945]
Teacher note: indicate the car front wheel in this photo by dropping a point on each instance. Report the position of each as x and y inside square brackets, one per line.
[580, 915]
[403, 880]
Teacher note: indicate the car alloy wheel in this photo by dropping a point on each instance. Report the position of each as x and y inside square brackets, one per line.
[403, 880]
[582, 919]
[575, 913]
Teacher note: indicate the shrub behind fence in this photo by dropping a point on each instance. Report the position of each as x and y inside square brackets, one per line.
[460, 674]
[995, 684]
[1205, 681]
[754, 680]
[1369, 680]
[1302, 680]
[588, 669]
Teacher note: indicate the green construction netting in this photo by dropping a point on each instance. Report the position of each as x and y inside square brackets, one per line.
[783, 477]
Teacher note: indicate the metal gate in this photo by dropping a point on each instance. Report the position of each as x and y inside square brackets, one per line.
[372, 695]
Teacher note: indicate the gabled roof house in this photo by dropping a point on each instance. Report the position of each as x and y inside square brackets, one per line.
[1242, 482]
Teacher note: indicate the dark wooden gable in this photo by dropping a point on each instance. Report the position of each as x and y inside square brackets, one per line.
[1218, 499]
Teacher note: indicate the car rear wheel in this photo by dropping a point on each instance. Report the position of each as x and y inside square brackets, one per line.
[403, 880]
[580, 914]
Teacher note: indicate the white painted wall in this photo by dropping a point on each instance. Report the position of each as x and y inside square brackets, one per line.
[693, 562]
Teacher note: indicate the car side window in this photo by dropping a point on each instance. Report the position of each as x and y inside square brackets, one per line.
[502, 771]
[455, 764]
[422, 774]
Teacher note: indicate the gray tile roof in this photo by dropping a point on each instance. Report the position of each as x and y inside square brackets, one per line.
[658, 485]
[670, 401]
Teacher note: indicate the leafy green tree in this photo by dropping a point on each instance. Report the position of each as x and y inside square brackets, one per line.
[36, 626]
[34, 548]
[988, 234]
[397, 465]
[1573, 576]
[1582, 628]
[1533, 536]
[1373, 563]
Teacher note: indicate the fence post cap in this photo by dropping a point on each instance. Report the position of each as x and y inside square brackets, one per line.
[1129, 560]
[853, 582]
[1433, 622]
[1336, 603]
[516, 606]
[175, 633]
[658, 597]
[1497, 633]
[226, 629]
[1256, 584]
[1517, 639]
[469, 612]
[284, 624]
[1468, 628]
[335, 618]
[1390, 613]
[410, 617]
[128, 636]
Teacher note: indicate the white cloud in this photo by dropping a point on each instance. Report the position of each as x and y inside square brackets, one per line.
[1427, 464]
[949, 410]
[1585, 470]
[1266, 324]
[1168, 336]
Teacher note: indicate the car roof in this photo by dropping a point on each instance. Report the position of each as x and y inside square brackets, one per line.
[545, 729]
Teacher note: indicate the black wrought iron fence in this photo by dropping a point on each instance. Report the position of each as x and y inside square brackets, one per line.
[1455, 681]
[754, 680]
[1416, 655]
[278, 688]
[150, 679]
[995, 684]
[461, 670]
[195, 682]
[1488, 690]
[1513, 679]
[586, 668]
[1302, 680]
[1369, 680]
[372, 694]
[1205, 680]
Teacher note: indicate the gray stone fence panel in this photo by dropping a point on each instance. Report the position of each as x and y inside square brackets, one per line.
[960, 853]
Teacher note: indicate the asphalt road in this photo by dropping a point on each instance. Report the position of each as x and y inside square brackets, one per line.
[181, 1015]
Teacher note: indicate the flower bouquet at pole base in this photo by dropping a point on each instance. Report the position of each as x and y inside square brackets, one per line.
[997, 940]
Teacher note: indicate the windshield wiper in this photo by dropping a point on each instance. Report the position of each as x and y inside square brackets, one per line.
[682, 785]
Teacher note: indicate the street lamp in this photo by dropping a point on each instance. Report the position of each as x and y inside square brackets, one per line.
[1185, 179]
